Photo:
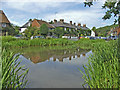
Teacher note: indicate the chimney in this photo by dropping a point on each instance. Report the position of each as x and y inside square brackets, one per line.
[79, 24]
[74, 24]
[84, 25]
[62, 20]
[55, 21]
[71, 22]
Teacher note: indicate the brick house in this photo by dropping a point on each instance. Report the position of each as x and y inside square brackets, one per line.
[114, 31]
[35, 23]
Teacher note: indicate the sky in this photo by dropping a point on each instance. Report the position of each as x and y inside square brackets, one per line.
[19, 12]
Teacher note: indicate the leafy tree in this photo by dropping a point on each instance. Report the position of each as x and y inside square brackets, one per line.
[27, 34]
[59, 31]
[112, 7]
[31, 31]
[44, 30]
[93, 29]
[9, 30]
[16, 29]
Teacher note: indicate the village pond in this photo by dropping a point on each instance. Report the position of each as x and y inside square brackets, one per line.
[54, 67]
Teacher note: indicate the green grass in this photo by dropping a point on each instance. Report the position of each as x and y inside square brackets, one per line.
[13, 74]
[103, 68]
[83, 43]
[36, 42]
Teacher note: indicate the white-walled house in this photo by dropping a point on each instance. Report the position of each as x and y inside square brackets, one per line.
[24, 27]
[92, 33]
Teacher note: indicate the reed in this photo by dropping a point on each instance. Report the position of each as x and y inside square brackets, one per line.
[13, 74]
[83, 43]
[102, 70]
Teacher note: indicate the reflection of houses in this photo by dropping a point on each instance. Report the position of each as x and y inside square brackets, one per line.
[114, 31]
[35, 23]
[4, 22]
[60, 55]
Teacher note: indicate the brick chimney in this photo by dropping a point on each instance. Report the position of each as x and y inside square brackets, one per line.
[84, 25]
[74, 24]
[79, 24]
[55, 21]
[62, 20]
[71, 22]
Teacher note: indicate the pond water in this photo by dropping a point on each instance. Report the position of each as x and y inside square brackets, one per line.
[54, 67]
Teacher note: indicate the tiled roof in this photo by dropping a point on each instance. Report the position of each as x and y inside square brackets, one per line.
[39, 21]
[44, 22]
[67, 25]
[26, 24]
[3, 18]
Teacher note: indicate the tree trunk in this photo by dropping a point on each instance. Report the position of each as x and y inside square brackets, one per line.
[119, 20]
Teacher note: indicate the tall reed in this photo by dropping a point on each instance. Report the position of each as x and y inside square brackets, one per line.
[13, 74]
[102, 70]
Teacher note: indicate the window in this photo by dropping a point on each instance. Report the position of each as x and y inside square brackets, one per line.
[4, 25]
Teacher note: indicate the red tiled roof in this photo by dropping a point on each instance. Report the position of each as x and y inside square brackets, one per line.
[44, 22]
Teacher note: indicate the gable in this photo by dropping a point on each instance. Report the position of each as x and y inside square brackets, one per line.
[35, 23]
[3, 18]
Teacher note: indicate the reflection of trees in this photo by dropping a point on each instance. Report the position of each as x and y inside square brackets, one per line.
[41, 56]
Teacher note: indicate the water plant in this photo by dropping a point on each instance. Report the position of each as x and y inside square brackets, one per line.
[13, 74]
[102, 71]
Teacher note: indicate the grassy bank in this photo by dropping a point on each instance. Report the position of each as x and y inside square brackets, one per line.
[9, 42]
[103, 68]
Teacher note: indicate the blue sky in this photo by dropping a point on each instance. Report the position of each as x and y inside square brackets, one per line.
[19, 12]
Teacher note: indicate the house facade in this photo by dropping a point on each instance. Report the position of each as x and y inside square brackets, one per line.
[66, 26]
[114, 31]
[4, 22]
[35, 23]
[70, 26]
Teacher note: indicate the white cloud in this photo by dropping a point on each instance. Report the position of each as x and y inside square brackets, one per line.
[90, 16]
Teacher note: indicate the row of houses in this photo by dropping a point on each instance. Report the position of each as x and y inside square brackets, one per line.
[60, 23]
[4, 22]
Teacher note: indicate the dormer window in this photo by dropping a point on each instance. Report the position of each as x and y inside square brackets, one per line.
[4, 25]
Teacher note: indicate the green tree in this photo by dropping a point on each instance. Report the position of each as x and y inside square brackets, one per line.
[28, 34]
[31, 31]
[44, 30]
[112, 7]
[16, 29]
[94, 29]
[59, 31]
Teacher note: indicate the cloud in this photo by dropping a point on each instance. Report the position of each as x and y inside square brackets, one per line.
[26, 9]
[90, 16]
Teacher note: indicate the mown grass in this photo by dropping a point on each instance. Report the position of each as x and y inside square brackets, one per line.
[103, 68]
[13, 75]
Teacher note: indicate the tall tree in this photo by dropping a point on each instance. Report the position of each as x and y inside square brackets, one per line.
[59, 31]
[112, 7]
[44, 30]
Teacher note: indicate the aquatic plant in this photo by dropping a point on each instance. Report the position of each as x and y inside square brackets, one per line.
[102, 71]
[13, 75]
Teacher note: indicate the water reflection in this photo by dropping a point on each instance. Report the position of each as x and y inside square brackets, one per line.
[39, 56]
[59, 67]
